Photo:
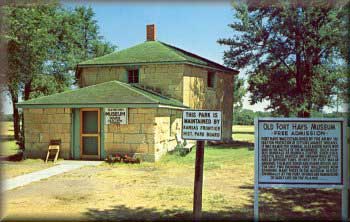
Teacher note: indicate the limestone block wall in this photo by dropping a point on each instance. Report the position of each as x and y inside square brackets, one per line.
[197, 95]
[150, 133]
[95, 75]
[168, 124]
[224, 99]
[166, 77]
[135, 137]
[43, 125]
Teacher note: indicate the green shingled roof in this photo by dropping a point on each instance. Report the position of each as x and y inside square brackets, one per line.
[152, 52]
[113, 92]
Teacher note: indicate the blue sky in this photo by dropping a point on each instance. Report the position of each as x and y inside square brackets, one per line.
[194, 26]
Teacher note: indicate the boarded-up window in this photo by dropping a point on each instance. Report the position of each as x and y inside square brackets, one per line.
[133, 76]
[211, 79]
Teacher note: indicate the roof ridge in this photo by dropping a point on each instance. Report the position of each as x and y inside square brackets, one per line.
[130, 87]
[210, 62]
[67, 91]
[115, 52]
[169, 47]
[164, 44]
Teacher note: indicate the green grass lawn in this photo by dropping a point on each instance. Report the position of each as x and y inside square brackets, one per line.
[9, 147]
[7, 142]
[243, 133]
[164, 190]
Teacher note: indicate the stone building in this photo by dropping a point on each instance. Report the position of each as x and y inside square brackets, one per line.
[129, 101]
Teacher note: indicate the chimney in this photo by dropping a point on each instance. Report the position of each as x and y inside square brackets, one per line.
[151, 32]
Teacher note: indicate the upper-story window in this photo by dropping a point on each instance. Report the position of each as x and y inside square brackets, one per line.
[211, 79]
[133, 76]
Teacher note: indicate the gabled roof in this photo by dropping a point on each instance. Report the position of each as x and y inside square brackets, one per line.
[153, 52]
[103, 95]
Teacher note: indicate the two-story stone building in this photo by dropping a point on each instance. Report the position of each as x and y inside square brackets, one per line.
[129, 101]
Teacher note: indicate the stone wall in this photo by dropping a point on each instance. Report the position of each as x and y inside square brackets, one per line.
[168, 124]
[95, 75]
[166, 77]
[135, 137]
[149, 134]
[197, 95]
[43, 125]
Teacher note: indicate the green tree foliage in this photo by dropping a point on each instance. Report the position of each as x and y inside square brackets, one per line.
[238, 92]
[294, 52]
[45, 42]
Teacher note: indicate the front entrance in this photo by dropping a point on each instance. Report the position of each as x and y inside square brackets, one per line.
[90, 133]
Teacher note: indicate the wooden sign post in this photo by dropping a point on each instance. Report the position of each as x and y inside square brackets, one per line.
[200, 125]
[198, 180]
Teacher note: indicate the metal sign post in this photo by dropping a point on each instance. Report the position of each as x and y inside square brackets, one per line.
[301, 153]
[200, 125]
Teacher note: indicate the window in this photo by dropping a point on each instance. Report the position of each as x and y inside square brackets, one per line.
[133, 76]
[211, 79]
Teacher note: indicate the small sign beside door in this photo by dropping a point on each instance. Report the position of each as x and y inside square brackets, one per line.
[116, 115]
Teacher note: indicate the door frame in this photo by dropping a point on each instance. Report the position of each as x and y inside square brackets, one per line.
[98, 134]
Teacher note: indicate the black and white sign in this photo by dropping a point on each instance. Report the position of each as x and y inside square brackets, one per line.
[116, 115]
[201, 125]
[303, 153]
[300, 151]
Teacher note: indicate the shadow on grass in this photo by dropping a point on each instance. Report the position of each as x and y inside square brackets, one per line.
[300, 204]
[233, 145]
[6, 138]
[123, 213]
[242, 132]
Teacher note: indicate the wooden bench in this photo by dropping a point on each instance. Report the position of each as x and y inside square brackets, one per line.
[54, 147]
[182, 144]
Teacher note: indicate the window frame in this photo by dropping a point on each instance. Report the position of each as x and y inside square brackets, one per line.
[133, 75]
[211, 76]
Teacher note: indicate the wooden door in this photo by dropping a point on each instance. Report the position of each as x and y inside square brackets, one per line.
[90, 133]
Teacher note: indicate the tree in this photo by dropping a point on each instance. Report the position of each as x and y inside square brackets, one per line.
[238, 92]
[45, 42]
[29, 36]
[87, 39]
[291, 50]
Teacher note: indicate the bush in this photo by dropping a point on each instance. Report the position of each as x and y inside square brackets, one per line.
[246, 116]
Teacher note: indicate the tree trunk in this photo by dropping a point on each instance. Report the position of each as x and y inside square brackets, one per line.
[15, 115]
[27, 90]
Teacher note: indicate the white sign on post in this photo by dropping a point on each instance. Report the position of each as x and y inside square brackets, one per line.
[302, 153]
[116, 115]
[201, 125]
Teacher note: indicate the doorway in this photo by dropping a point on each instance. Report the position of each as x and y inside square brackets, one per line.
[90, 133]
